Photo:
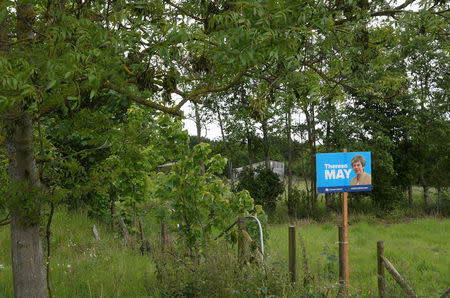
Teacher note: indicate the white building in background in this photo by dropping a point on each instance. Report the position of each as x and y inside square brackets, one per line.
[276, 166]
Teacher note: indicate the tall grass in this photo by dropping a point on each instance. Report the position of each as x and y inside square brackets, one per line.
[419, 249]
[83, 267]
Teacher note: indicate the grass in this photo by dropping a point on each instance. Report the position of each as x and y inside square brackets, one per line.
[83, 267]
[419, 250]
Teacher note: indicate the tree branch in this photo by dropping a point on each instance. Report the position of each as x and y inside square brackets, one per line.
[41, 159]
[199, 92]
[101, 147]
[183, 11]
[191, 96]
[181, 103]
[407, 2]
[173, 111]
[329, 79]
[387, 12]
[128, 70]
[194, 95]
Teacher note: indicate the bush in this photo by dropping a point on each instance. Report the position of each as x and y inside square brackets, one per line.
[300, 203]
[303, 207]
[263, 185]
[218, 274]
[196, 204]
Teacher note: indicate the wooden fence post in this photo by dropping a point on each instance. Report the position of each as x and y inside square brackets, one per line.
[112, 214]
[242, 243]
[445, 293]
[141, 229]
[292, 255]
[381, 274]
[166, 237]
[398, 278]
[126, 234]
[342, 285]
[96, 235]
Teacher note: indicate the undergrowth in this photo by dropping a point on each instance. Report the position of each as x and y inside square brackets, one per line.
[84, 267]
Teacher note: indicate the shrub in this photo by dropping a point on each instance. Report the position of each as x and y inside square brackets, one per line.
[218, 274]
[263, 185]
[196, 204]
[303, 207]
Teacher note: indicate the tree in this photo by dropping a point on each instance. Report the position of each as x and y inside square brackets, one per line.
[196, 203]
[427, 64]
[263, 185]
[61, 54]
[58, 55]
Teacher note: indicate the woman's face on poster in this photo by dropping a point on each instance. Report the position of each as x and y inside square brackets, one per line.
[357, 168]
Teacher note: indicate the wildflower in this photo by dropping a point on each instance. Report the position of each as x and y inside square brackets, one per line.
[2, 267]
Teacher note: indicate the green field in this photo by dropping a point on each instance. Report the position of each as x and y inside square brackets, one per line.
[419, 250]
[83, 267]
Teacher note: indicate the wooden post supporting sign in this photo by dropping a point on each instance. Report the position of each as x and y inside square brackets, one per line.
[344, 172]
[345, 225]
[342, 285]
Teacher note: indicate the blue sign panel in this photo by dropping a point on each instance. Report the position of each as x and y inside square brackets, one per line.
[343, 172]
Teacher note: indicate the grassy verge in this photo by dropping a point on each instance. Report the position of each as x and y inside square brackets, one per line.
[83, 267]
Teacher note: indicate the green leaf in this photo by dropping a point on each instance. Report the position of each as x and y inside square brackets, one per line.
[50, 85]
[92, 94]
[64, 109]
[3, 14]
[33, 107]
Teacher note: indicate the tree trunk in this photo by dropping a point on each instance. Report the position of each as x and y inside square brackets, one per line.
[266, 143]
[26, 243]
[309, 113]
[4, 35]
[438, 187]
[290, 200]
[227, 149]
[313, 157]
[112, 213]
[134, 221]
[27, 259]
[112, 206]
[438, 206]
[426, 193]
[410, 196]
[302, 163]
[249, 147]
[198, 125]
[328, 196]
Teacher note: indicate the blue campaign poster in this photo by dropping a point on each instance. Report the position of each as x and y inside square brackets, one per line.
[343, 172]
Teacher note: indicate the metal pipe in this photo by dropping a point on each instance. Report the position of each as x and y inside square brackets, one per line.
[260, 234]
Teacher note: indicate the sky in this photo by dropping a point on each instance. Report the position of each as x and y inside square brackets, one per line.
[210, 131]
